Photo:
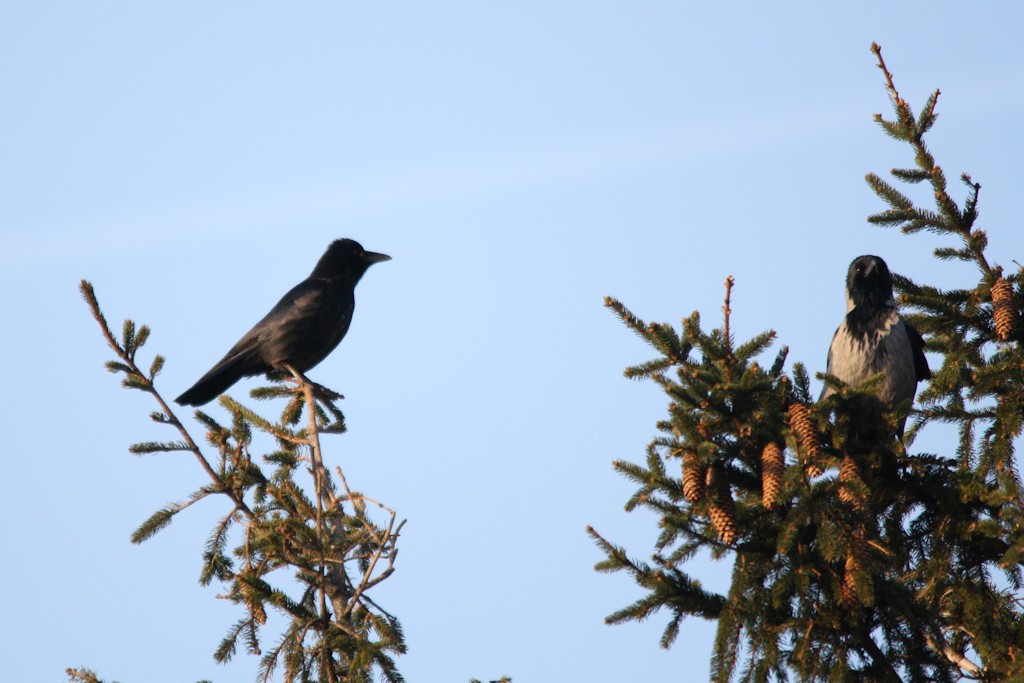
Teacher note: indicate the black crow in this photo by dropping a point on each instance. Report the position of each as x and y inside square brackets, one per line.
[299, 332]
[874, 338]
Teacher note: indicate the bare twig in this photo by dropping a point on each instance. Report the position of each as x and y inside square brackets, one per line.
[729, 282]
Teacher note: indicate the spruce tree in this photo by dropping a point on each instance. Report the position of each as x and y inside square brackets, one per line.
[293, 537]
[853, 558]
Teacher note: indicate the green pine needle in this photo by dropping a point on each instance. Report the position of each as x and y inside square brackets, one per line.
[157, 521]
[150, 447]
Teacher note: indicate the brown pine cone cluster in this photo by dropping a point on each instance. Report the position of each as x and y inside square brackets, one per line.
[810, 446]
[693, 477]
[848, 591]
[1004, 314]
[254, 605]
[849, 472]
[773, 466]
[722, 508]
[856, 558]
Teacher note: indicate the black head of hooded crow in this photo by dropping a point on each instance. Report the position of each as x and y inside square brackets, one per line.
[300, 331]
[874, 338]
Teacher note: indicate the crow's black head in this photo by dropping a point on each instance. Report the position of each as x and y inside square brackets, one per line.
[346, 259]
[868, 283]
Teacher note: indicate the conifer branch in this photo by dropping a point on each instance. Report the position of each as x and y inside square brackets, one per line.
[319, 484]
[82, 676]
[893, 93]
[337, 631]
[126, 353]
[950, 217]
[726, 310]
[881, 663]
[887, 568]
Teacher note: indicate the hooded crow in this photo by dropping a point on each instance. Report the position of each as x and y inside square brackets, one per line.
[300, 331]
[874, 338]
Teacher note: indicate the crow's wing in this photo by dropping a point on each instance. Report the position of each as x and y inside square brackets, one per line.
[306, 325]
[255, 352]
[921, 369]
[826, 390]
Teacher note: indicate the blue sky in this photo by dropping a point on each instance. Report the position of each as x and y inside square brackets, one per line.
[519, 161]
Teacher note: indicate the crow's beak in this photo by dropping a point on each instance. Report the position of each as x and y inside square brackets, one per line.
[374, 257]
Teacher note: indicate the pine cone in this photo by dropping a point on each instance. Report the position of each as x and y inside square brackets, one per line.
[848, 591]
[802, 425]
[855, 560]
[849, 471]
[773, 464]
[254, 605]
[693, 477]
[1003, 313]
[722, 509]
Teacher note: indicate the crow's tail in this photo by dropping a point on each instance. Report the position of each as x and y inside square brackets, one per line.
[218, 380]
